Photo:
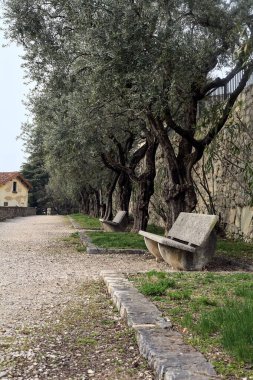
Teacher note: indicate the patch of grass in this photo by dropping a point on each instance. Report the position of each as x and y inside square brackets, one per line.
[113, 239]
[234, 323]
[179, 295]
[117, 239]
[108, 322]
[74, 240]
[156, 283]
[72, 237]
[86, 341]
[206, 301]
[235, 248]
[152, 228]
[245, 290]
[81, 248]
[86, 221]
[155, 274]
[214, 312]
[157, 288]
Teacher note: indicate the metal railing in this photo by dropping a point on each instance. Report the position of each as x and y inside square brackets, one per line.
[221, 93]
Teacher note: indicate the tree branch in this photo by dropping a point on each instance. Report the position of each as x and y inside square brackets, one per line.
[182, 132]
[230, 103]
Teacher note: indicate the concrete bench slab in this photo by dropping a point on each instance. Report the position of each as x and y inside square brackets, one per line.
[190, 243]
[118, 224]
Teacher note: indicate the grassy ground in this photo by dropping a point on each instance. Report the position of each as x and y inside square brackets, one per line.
[229, 254]
[117, 239]
[226, 249]
[109, 239]
[213, 312]
[86, 221]
[84, 339]
[236, 249]
[122, 239]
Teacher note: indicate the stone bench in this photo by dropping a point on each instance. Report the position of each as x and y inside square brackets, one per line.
[118, 224]
[190, 243]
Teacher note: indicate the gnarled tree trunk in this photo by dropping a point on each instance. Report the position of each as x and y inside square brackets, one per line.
[145, 189]
[108, 211]
[125, 191]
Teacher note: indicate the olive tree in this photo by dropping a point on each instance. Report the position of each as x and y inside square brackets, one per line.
[154, 60]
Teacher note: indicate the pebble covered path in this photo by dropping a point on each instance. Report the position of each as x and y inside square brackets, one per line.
[38, 270]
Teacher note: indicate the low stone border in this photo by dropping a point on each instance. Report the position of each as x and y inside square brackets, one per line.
[167, 354]
[93, 249]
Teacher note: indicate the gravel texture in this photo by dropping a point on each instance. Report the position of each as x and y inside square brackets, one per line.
[40, 277]
[38, 269]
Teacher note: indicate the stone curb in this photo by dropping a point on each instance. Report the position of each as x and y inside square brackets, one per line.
[93, 249]
[167, 354]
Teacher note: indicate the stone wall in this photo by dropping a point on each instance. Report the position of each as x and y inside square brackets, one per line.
[12, 212]
[229, 178]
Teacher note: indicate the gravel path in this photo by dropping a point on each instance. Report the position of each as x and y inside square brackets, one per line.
[38, 270]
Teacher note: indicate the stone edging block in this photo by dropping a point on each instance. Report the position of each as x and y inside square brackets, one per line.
[167, 354]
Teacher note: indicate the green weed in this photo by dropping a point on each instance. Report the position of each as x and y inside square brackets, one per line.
[215, 312]
[74, 239]
[156, 288]
[81, 248]
[154, 273]
[86, 341]
[245, 290]
[179, 295]
[234, 323]
[74, 235]
[203, 300]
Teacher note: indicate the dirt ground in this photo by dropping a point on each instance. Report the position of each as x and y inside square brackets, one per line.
[40, 280]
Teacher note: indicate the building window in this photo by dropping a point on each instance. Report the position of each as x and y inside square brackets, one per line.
[14, 187]
[5, 204]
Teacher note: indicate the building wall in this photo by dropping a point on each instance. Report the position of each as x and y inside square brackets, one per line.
[10, 198]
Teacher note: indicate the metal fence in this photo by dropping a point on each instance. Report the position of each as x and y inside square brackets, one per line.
[223, 91]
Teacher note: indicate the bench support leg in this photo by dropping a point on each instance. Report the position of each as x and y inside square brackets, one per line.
[152, 247]
[183, 260]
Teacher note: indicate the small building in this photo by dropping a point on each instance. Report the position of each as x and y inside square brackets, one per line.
[14, 189]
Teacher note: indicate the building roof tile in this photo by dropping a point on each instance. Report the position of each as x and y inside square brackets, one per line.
[9, 176]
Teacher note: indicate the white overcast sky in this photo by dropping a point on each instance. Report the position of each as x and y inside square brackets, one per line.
[12, 111]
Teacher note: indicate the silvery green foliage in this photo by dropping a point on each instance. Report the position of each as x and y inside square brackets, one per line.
[108, 68]
[148, 52]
